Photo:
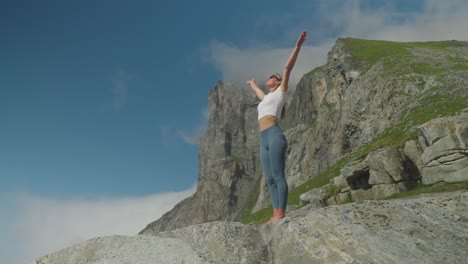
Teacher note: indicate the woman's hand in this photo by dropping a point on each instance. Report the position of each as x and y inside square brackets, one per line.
[251, 82]
[291, 61]
[301, 39]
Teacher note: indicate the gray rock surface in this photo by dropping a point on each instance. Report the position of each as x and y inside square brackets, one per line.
[425, 229]
[386, 166]
[315, 197]
[412, 151]
[125, 249]
[445, 149]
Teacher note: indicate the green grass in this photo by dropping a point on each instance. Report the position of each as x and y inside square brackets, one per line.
[438, 45]
[459, 68]
[312, 72]
[381, 48]
[237, 159]
[252, 198]
[457, 59]
[259, 217]
[368, 52]
[425, 68]
[435, 188]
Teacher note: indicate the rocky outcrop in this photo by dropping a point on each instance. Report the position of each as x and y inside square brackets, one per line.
[125, 249]
[427, 229]
[362, 91]
[445, 149]
[440, 155]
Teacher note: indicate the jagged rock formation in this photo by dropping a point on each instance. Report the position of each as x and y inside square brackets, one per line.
[427, 229]
[366, 89]
[229, 168]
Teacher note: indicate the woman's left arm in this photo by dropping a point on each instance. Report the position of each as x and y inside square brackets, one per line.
[291, 61]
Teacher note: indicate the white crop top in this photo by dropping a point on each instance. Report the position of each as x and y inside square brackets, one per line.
[272, 104]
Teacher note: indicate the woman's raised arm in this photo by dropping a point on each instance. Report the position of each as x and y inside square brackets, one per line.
[291, 61]
[258, 91]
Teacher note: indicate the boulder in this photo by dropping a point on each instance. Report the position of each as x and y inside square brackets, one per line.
[412, 152]
[384, 190]
[393, 231]
[316, 197]
[141, 249]
[445, 149]
[385, 166]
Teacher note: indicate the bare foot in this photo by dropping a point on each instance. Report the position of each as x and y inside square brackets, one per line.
[279, 214]
[275, 213]
[274, 219]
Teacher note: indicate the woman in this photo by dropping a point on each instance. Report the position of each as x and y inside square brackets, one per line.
[273, 144]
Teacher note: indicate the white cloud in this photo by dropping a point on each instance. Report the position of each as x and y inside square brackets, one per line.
[193, 137]
[238, 65]
[10, 246]
[43, 225]
[435, 20]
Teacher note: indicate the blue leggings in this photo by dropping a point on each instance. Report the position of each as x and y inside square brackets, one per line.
[273, 147]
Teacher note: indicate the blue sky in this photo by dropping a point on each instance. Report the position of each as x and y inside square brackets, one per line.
[102, 102]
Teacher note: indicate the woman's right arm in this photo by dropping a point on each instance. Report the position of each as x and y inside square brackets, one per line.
[257, 90]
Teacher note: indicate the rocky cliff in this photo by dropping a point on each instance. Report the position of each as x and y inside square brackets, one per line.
[380, 118]
[369, 94]
[229, 167]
